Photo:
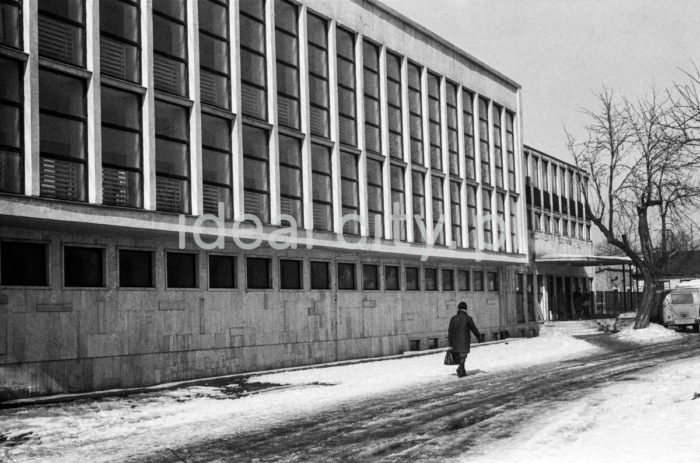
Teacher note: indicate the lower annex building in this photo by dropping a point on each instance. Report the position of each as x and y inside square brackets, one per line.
[371, 173]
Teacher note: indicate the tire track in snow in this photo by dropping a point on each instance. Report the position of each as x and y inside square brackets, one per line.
[434, 422]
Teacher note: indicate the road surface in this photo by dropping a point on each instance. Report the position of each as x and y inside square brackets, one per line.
[435, 423]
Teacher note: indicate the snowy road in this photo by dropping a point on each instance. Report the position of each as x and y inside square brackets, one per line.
[436, 421]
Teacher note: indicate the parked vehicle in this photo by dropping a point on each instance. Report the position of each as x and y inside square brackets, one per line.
[681, 306]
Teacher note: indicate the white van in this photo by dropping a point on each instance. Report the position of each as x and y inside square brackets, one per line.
[681, 306]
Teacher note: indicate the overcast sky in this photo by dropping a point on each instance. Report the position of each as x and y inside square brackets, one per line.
[562, 51]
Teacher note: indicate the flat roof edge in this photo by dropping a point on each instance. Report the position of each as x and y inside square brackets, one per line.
[440, 40]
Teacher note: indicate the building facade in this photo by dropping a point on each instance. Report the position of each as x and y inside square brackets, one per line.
[191, 189]
[560, 238]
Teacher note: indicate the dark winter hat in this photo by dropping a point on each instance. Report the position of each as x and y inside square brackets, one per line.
[462, 306]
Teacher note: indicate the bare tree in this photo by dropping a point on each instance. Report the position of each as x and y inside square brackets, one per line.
[643, 180]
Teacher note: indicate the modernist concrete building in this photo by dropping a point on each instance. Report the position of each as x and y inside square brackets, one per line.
[560, 238]
[126, 123]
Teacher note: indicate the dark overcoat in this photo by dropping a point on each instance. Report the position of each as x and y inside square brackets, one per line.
[458, 335]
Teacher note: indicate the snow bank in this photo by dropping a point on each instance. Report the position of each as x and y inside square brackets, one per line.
[117, 428]
[645, 417]
[651, 334]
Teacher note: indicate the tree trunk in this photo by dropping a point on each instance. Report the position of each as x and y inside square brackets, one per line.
[648, 304]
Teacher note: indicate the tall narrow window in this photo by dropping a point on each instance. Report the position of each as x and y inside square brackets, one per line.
[492, 281]
[463, 280]
[322, 187]
[501, 222]
[562, 190]
[412, 279]
[373, 137]
[11, 144]
[535, 176]
[519, 309]
[430, 279]
[347, 106]
[256, 167]
[545, 185]
[350, 192]
[291, 197]
[391, 278]
[580, 198]
[287, 55]
[170, 46]
[11, 20]
[172, 158]
[528, 179]
[434, 121]
[415, 109]
[486, 214]
[346, 276]
[418, 219]
[62, 31]
[555, 188]
[398, 202]
[317, 30]
[320, 275]
[370, 277]
[63, 140]
[471, 215]
[216, 165]
[448, 279]
[570, 189]
[452, 128]
[478, 280]
[393, 96]
[510, 151]
[514, 224]
[214, 54]
[122, 165]
[438, 210]
[375, 198]
[253, 70]
[468, 133]
[497, 148]
[484, 141]
[456, 213]
[120, 39]
[584, 195]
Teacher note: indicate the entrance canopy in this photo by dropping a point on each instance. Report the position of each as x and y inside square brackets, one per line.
[582, 261]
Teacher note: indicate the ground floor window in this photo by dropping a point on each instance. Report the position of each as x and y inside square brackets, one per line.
[83, 267]
[23, 264]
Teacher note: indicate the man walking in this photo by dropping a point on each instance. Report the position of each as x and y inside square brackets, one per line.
[458, 335]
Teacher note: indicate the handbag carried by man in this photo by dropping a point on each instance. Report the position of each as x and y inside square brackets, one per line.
[450, 357]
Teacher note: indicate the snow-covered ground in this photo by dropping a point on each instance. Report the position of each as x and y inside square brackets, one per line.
[648, 418]
[116, 428]
[654, 417]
